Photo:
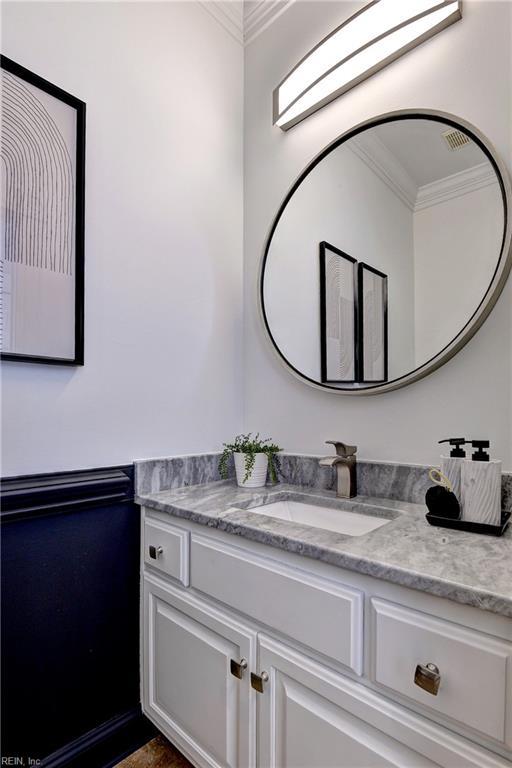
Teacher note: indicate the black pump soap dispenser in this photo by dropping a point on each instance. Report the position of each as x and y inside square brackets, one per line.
[451, 466]
[480, 454]
[456, 451]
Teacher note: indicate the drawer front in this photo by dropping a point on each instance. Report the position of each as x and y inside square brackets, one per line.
[166, 548]
[473, 666]
[317, 613]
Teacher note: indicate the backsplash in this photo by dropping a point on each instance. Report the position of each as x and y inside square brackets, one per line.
[153, 475]
[406, 482]
[506, 491]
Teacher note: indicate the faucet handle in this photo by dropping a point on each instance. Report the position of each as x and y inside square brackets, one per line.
[342, 449]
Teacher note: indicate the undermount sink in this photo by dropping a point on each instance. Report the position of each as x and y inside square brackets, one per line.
[337, 520]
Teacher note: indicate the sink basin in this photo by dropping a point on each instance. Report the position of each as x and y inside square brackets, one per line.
[337, 520]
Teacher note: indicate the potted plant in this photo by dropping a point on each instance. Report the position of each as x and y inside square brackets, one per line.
[253, 457]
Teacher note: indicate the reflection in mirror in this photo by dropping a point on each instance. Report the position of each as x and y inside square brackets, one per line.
[373, 325]
[383, 253]
[338, 308]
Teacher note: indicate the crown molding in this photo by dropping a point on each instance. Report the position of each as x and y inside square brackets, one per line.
[371, 150]
[245, 22]
[229, 14]
[469, 180]
[384, 164]
[261, 15]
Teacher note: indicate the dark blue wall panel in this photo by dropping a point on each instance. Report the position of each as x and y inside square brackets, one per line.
[70, 617]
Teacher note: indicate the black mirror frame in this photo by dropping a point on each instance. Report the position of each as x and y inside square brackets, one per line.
[490, 297]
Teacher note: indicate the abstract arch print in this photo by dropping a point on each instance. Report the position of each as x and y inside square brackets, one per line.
[39, 182]
[42, 180]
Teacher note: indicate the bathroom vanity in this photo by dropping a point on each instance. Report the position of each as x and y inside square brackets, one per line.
[283, 628]
[271, 642]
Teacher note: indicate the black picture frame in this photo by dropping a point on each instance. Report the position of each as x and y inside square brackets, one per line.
[362, 374]
[79, 213]
[324, 355]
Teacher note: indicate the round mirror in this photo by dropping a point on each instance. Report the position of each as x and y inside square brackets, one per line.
[387, 254]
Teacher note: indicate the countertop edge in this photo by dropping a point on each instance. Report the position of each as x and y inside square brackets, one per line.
[459, 593]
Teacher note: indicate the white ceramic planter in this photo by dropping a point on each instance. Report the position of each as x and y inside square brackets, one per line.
[258, 476]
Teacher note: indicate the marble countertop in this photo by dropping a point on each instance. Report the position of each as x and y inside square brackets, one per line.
[465, 567]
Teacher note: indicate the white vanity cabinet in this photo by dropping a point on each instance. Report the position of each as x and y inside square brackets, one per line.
[271, 660]
[191, 652]
[310, 718]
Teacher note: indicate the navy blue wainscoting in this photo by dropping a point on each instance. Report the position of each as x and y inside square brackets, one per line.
[70, 618]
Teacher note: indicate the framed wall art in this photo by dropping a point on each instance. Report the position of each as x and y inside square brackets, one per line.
[373, 325]
[338, 315]
[42, 158]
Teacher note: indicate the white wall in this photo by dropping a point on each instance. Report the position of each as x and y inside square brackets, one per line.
[330, 205]
[465, 70]
[163, 314]
[455, 247]
[163, 366]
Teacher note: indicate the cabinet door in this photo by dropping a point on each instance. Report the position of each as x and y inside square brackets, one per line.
[189, 690]
[310, 717]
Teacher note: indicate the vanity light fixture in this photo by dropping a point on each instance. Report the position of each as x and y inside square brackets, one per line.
[365, 43]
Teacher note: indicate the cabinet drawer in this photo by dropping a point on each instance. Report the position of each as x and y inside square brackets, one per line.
[321, 614]
[473, 666]
[166, 548]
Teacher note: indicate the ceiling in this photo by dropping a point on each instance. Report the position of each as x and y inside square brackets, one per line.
[420, 148]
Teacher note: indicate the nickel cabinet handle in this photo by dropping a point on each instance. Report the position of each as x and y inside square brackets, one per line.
[155, 552]
[257, 681]
[427, 676]
[238, 668]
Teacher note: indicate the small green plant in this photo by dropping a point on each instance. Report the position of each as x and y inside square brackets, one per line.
[250, 446]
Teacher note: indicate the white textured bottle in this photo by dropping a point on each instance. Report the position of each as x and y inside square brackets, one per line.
[451, 469]
[481, 491]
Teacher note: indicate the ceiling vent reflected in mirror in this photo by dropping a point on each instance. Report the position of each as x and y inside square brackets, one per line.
[455, 139]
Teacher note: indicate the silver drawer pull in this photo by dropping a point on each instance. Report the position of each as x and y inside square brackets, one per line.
[237, 668]
[427, 676]
[155, 552]
[258, 680]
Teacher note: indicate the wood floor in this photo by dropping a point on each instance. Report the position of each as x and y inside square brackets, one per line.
[157, 753]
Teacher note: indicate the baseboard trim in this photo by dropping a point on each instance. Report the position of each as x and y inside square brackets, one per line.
[106, 745]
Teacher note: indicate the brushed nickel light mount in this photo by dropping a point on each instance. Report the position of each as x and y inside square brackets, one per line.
[373, 37]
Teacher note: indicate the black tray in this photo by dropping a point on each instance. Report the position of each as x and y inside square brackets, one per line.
[466, 525]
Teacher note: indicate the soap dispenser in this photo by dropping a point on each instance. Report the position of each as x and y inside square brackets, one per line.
[481, 486]
[451, 465]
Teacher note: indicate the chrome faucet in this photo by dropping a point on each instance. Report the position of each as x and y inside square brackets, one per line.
[346, 470]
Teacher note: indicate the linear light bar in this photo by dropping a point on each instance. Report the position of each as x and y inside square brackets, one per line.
[365, 43]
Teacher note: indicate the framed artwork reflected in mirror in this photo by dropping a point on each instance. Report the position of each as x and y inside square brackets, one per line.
[373, 325]
[338, 314]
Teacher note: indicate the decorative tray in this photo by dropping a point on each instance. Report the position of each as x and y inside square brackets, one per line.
[467, 525]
